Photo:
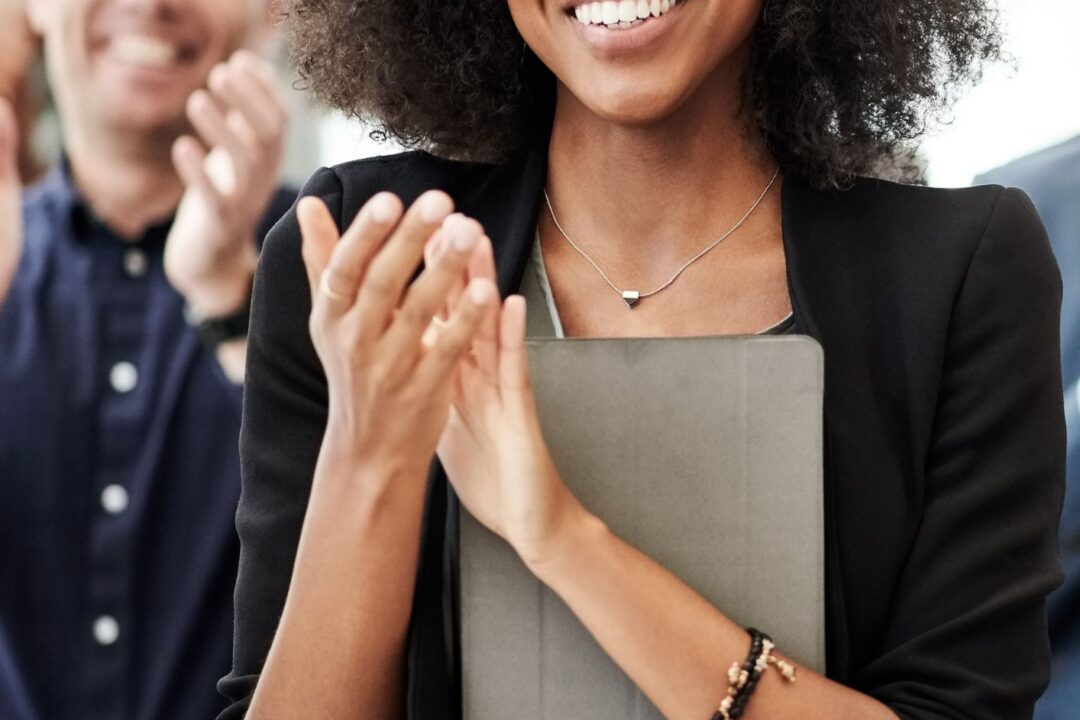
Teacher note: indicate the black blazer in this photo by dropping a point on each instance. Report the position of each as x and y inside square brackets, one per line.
[938, 314]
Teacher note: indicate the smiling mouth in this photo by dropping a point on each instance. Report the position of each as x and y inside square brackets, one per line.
[148, 52]
[621, 14]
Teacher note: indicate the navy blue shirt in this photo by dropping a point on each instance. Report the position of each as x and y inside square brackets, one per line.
[119, 478]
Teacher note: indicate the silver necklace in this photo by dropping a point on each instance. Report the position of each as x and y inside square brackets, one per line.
[633, 297]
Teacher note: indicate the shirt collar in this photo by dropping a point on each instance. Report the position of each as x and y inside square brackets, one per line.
[58, 186]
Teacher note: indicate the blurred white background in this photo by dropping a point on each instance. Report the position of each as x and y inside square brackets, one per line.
[1026, 105]
[1015, 111]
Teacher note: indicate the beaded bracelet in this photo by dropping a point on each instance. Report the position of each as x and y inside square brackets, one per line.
[743, 680]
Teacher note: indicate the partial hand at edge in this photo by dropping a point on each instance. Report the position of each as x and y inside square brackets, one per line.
[11, 230]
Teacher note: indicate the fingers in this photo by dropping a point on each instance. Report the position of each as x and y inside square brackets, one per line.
[432, 252]
[11, 238]
[456, 340]
[393, 267]
[189, 158]
[433, 248]
[428, 294]
[349, 261]
[243, 115]
[9, 144]
[486, 341]
[513, 362]
[219, 127]
[335, 266]
[247, 84]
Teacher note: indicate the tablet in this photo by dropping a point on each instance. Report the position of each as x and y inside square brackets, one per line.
[706, 454]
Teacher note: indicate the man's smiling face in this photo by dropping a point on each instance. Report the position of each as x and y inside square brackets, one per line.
[132, 64]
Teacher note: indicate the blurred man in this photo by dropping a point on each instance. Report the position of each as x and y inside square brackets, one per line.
[119, 394]
[1052, 179]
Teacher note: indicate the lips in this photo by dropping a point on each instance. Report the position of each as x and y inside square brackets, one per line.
[620, 14]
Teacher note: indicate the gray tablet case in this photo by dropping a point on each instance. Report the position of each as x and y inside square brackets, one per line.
[706, 454]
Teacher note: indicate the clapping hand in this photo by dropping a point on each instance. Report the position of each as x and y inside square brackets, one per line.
[230, 173]
[11, 234]
[404, 382]
[389, 391]
[492, 448]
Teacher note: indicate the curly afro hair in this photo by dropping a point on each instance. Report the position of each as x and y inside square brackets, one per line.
[838, 88]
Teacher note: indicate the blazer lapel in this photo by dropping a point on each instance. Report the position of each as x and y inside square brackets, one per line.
[506, 202]
[811, 228]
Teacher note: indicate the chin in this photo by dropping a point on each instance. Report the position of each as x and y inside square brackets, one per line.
[144, 115]
[631, 105]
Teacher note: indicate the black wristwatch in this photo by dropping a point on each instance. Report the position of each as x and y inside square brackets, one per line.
[218, 330]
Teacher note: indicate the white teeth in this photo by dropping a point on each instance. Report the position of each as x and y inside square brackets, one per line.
[142, 50]
[620, 13]
[611, 12]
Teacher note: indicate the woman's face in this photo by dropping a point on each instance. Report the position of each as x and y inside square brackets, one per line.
[637, 72]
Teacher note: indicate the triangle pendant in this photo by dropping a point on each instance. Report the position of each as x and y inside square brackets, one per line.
[631, 298]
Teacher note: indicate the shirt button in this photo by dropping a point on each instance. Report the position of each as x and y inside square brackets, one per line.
[114, 498]
[106, 630]
[123, 377]
[135, 263]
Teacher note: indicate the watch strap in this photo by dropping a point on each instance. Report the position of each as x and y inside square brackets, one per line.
[217, 330]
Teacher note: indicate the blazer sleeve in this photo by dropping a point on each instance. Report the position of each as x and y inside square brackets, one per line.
[285, 402]
[967, 636]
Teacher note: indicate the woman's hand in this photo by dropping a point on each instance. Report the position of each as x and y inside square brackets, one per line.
[389, 393]
[492, 447]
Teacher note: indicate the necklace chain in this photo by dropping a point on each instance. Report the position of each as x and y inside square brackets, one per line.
[631, 297]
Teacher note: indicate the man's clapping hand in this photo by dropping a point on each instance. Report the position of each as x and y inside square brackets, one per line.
[11, 236]
[230, 174]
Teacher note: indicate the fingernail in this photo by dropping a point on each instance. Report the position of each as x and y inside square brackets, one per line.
[464, 238]
[217, 75]
[434, 207]
[382, 209]
[480, 293]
